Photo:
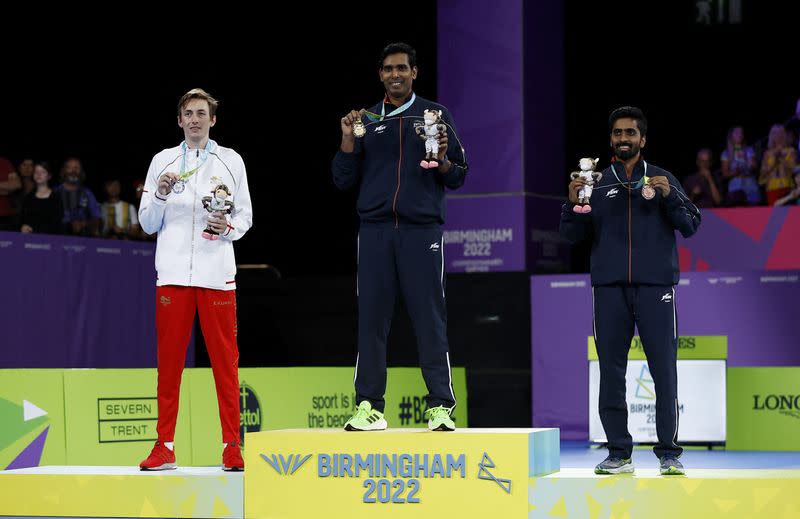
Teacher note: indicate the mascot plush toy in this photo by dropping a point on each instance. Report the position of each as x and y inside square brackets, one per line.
[591, 176]
[430, 132]
[217, 204]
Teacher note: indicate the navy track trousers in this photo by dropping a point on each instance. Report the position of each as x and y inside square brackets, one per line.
[651, 308]
[409, 259]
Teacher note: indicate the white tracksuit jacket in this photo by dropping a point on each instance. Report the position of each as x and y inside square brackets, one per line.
[183, 256]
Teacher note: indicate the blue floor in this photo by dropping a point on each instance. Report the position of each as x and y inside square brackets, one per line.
[581, 454]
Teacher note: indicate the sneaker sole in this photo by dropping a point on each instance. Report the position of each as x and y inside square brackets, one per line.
[626, 469]
[380, 425]
[673, 471]
[232, 469]
[442, 427]
[165, 466]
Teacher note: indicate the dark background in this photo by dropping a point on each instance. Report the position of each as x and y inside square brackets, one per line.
[107, 92]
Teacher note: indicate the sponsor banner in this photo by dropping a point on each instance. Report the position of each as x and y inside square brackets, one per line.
[697, 347]
[764, 409]
[485, 234]
[396, 473]
[701, 401]
[743, 238]
[31, 418]
[315, 398]
[756, 311]
[111, 417]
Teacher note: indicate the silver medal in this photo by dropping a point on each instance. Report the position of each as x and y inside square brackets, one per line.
[178, 187]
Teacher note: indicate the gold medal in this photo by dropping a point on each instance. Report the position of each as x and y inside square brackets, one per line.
[358, 129]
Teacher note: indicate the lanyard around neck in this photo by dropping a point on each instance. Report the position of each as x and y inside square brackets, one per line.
[203, 154]
[642, 181]
[400, 109]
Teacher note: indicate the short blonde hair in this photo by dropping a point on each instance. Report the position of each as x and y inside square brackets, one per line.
[198, 93]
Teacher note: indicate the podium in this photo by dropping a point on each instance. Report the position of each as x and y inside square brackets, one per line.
[395, 473]
[80, 491]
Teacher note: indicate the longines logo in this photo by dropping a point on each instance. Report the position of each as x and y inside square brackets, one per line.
[483, 473]
[684, 343]
[285, 466]
[784, 404]
[250, 417]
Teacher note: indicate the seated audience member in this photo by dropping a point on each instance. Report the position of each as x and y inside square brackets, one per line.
[42, 211]
[119, 217]
[703, 188]
[738, 163]
[9, 185]
[777, 166]
[81, 210]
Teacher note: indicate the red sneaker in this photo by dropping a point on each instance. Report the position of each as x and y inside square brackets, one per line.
[232, 457]
[161, 458]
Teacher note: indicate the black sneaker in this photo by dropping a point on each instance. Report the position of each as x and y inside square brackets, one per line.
[612, 465]
[670, 466]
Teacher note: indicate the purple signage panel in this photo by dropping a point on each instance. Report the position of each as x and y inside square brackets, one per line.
[480, 81]
[744, 238]
[548, 252]
[485, 234]
[77, 303]
[755, 310]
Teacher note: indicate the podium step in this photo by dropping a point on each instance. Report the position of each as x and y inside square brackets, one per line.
[395, 473]
[701, 494]
[72, 491]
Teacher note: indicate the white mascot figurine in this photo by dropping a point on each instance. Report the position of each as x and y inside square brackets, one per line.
[430, 132]
[591, 176]
[217, 204]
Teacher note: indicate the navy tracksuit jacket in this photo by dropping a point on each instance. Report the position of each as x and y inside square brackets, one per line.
[634, 270]
[401, 207]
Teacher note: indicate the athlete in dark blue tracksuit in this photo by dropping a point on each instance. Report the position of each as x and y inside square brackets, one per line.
[400, 247]
[636, 208]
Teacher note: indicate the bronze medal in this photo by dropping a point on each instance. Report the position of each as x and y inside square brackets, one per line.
[648, 192]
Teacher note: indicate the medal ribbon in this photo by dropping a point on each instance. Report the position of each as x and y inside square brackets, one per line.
[210, 145]
[642, 181]
[400, 109]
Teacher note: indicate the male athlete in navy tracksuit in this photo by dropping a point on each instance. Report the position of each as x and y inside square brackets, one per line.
[400, 247]
[636, 208]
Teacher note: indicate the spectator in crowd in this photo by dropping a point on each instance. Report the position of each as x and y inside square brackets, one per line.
[703, 187]
[42, 211]
[792, 125]
[738, 163]
[119, 217]
[81, 210]
[794, 195]
[138, 190]
[777, 165]
[25, 172]
[9, 184]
